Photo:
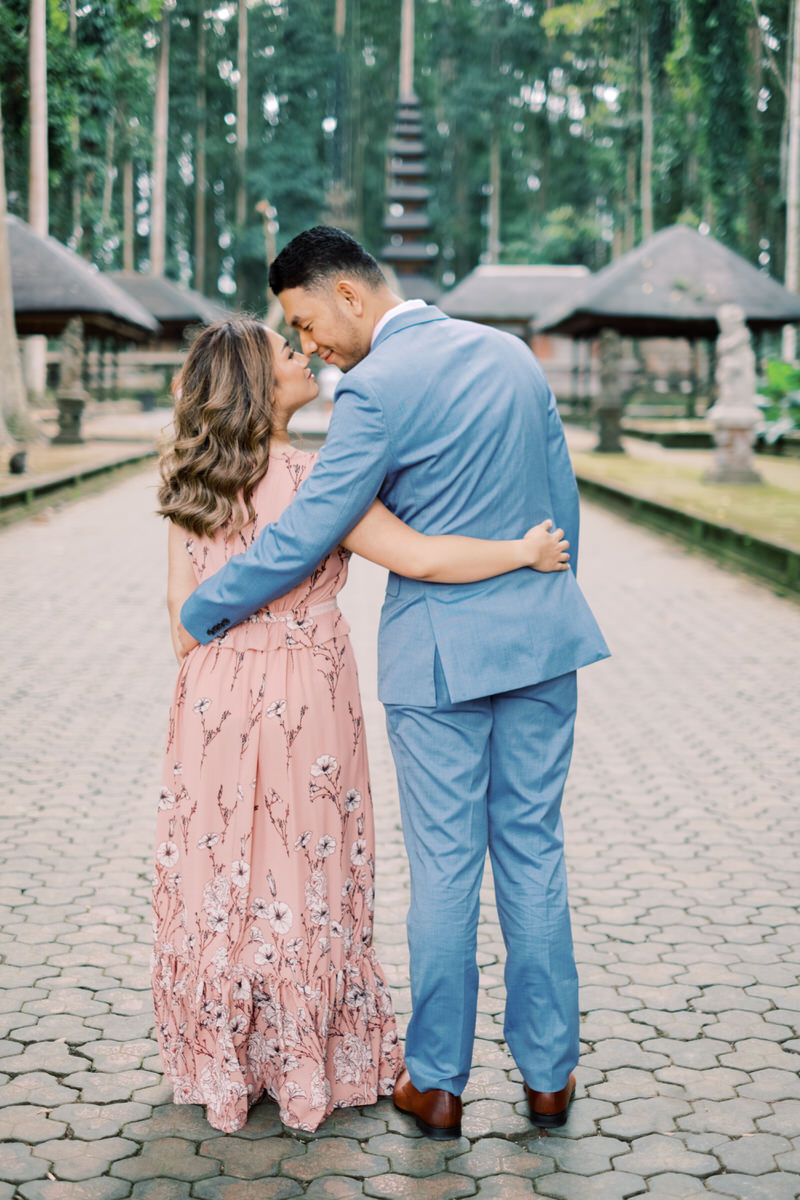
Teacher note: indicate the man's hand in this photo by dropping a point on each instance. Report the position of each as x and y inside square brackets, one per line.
[184, 642]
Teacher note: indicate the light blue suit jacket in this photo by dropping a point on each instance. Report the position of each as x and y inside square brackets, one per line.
[454, 426]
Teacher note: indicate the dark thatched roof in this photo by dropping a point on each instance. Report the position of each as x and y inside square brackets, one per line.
[672, 286]
[51, 285]
[174, 307]
[512, 293]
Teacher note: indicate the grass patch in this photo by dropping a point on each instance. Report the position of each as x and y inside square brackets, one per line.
[771, 512]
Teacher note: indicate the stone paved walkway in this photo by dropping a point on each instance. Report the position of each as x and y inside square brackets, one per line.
[682, 823]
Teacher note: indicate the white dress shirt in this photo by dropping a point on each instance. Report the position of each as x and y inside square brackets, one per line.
[404, 306]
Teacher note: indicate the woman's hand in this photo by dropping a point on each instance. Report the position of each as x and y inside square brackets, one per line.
[183, 642]
[546, 549]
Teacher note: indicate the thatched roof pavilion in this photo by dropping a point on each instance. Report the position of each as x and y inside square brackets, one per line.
[510, 297]
[51, 285]
[672, 286]
[174, 307]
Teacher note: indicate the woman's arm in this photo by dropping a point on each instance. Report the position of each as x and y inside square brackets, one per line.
[381, 537]
[181, 582]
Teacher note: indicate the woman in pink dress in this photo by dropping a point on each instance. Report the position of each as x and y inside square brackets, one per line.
[265, 979]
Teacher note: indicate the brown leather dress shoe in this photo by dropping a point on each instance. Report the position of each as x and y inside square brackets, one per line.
[549, 1109]
[437, 1113]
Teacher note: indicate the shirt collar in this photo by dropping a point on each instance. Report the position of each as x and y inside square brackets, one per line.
[404, 306]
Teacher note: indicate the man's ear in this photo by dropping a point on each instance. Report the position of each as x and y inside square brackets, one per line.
[350, 294]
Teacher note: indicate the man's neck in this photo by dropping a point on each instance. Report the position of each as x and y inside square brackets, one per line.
[385, 301]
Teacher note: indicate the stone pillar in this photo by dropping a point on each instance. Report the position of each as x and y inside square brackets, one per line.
[71, 395]
[609, 402]
[735, 416]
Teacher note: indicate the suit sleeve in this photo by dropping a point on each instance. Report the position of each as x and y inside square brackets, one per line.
[563, 487]
[347, 477]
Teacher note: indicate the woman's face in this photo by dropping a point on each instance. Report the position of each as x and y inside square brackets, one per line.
[294, 383]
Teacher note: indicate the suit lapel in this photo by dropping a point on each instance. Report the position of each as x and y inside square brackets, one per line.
[404, 320]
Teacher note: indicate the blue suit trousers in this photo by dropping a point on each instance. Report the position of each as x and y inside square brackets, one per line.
[489, 773]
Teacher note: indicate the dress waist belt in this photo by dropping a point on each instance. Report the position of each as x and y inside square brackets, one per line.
[313, 611]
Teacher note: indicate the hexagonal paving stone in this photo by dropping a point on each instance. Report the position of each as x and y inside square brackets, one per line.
[496, 1156]
[166, 1158]
[720, 1084]
[75, 1159]
[118, 1056]
[752, 1155]
[250, 1159]
[91, 1121]
[42, 1056]
[587, 1155]
[85, 1189]
[675, 1187]
[17, 1163]
[484, 1117]
[66, 1027]
[775, 1186]
[614, 1053]
[352, 1122]
[752, 1054]
[610, 1185]
[103, 1087]
[337, 1187]
[170, 1120]
[487, 1083]
[785, 1119]
[640, 1117]
[405, 1187]
[27, 1123]
[413, 1156]
[331, 1156]
[656, 1154]
[160, 1189]
[736, 1118]
[225, 1187]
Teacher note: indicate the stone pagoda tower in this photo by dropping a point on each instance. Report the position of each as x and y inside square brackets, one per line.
[409, 250]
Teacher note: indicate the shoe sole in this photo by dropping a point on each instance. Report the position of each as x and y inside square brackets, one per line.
[553, 1120]
[439, 1133]
[550, 1120]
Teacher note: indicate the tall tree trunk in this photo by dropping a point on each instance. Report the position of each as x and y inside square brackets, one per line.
[407, 49]
[128, 219]
[629, 239]
[158, 199]
[493, 243]
[38, 207]
[200, 168]
[75, 138]
[241, 121]
[789, 341]
[14, 404]
[646, 169]
[108, 175]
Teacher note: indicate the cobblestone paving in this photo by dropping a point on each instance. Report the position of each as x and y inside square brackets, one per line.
[682, 824]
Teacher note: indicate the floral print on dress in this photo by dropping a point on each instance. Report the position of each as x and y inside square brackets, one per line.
[265, 979]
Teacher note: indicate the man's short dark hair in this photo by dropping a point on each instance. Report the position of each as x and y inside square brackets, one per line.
[316, 255]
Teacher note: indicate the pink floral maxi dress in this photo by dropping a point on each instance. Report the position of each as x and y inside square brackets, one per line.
[264, 975]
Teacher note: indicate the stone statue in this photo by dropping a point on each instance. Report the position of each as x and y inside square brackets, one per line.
[735, 416]
[71, 395]
[610, 402]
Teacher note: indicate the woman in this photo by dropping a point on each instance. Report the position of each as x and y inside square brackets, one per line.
[264, 974]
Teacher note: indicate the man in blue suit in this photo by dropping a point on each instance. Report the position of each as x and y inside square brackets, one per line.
[453, 425]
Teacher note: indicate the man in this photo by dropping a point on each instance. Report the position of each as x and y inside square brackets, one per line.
[454, 426]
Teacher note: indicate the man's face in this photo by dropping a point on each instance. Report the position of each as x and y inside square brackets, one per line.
[330, 321]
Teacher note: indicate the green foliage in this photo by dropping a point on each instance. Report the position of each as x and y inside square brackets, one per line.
[559, 88]
[780, 399]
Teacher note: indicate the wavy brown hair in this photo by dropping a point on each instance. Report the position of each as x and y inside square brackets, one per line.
[222, 420]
